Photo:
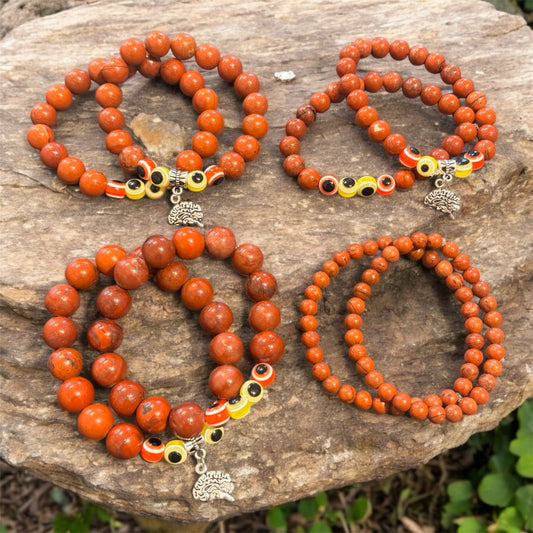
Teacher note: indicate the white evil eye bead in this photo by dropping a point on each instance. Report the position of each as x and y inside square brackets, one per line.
[386, 185]
[328, 184]
[196, 181]
[409, 157]
[238, 406]
[347, 187]
[159, 176]
[153, 450]
[464, 168]
[217, 415]
[135, 188]
[426, 166]
[153, 191]
[263, 373]
[115, 189]
[366, 186]
[175, 452]
[214, 175]
[477, 159]
[212, 435]
[144, 168]
[252, 390]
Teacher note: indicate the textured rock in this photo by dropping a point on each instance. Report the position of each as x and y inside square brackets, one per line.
[297, 441]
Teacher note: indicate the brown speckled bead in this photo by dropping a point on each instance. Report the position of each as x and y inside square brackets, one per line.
[215, 318]
[65, 363]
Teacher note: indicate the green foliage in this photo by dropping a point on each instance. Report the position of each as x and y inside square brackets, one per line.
[498, 496]
[82, 521]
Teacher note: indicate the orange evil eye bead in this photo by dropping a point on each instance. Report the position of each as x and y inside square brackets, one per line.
[348, 187]
[214, 175]
[196, 181]
[328, 184]
[175, 452]
[144, 168]
[252, 391]
[427, 166]
[153, 450]
[366, 186]
[160, 176]
[135, 189]
[217, 415]
[385, 185]
[263, 373]
[409, 157]
[115, 189]
[212, 435]
[238, 406]
[476, 158]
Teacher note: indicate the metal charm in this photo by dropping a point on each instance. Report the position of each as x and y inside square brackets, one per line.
[186, 214]
[443, 200]
[213, 485]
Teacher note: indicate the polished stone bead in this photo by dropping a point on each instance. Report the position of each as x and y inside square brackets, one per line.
[104, 335]
[113, 302]
[75, 393]
[261, 285]
[215, 318]
[220, 242]
[152, 414]
[125, 397]
[108, 369]
[226, 348]
[62, 300]
[186, 420]
[158, 251]
[267, 347]
[124, 441]
[225, 381]
[95, 421]
[247, 258]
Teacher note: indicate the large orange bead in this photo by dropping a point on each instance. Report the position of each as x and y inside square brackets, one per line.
[186, 420]
[125, 396]
[108, 369]
[267, 347]
[232, 164]
[62, 300]
[226, 348]
[107, 257]
[152, 414]
[104, 335]
[215, 318]
[59, 332]
[131, 272]
[38, 135]
[95, 421]
[113, 302]
[264, 316]
[124, 441]
[75, 393]
[220, 242]
[225, 381]
[158, 251]
[247, 258]
[189, 243]
[196, 293]
[172, 277]
[65, 363]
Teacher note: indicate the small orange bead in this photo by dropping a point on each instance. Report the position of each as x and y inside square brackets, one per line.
[210, 120]
[346, 393]
[448, 397]
[374, 379]
[353, 336]
[308, 307]
[353, 321]
[196, 293]
[204, 143]
[95, 421]
[171, 71]
[92, 183]
[115, 70]
[190, 82]
[78, 81]
[363, 400]
[331, 384]
[436, 414]
[75, 393]
[363, 290]
[189, 160]
[255, 125]
[320, 101]
[380, 407]
[355, 305]
[207, 56]
[468, 406]
[314, 355]
[310, 339]
[475, 340]
[157, 43]
[487, 381]
[247, 258]
[247, 147]
[312, 292]
[117, 140]
[418, 410]
[469, 371]
[469, 309]
[356, 352]
[59, 97]
[364, 365]
[404, 179]
[38, 135]
[52, 153]
[386, 391]
[453, 413]
[464, 294]
[246, 83]
[474, 324]
[70, 169]
[321, 279]
[307, 323]
[342, 258]
[110, 119]
[43, 113]
[474, 356]
[479, 395]
[232, 164]
[463, 386]
[108, 95]
[495, 351]
[365, 116]
[255, 103]
[331, 268]
[132, 51]
[95, 70]
[493, 367]
[183, 46]
[229, 67]
[65, 363]
[370, 276]
[321, 371]
[401, 401]
[203, 99]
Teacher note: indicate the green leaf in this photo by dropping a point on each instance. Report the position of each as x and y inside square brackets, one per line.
[501, 462]
[460, 491]
[524, 466]
[522, 445]
[70, 524]
[525, 418]
[319, 527]
[510, 521]
[308, 507]
[360, 510]
[277, 520]
[497, 489]
[524, 504]
[470, 524]
[321, 500]
[453, 509]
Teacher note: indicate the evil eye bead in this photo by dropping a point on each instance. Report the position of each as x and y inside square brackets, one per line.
[238, 406]
[196, 181]
[477, 159]
[115, 189]
[386, 185]
[426, 166]
[135, 188]
[328, 184]
[159, 176]
[214, 175]
[217, 415]
[409, 157]
[212, 435]
[153, 191]
[144, 168]
[153, 450]
[175, 452]
[464, 168]
[347, 187]
[366, 186]
[252, 391]
[263, 373]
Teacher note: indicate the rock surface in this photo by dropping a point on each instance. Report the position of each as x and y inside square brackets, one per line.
[297, 441]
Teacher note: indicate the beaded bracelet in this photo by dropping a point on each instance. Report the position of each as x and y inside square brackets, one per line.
[152, 179]
[473, 119]
[482, 322]
[191, 425]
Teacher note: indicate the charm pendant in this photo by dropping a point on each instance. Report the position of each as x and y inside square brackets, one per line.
[186, 214]
[443, 200]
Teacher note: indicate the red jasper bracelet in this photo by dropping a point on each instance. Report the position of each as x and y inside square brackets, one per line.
[153, 180]
[191, 425]
[484, 351]
[473, 118]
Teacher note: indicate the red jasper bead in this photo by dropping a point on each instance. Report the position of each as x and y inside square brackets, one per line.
[95, 421]
[215, 318]
[62, 300]
[108, 369]
[247, 258]
[81, 274]
[113, 302]
[225, 381]
[131, 272]
[75, 393]
[107, 257]
[65, 363]
[152, 414]
[124, 441]
[196, 293]
[125, 397]
[60, 331]
[172, 277]
[264, 316]
[226, 348]
[267, 347]
[104, 335]
[186, 420]
[158, 251]
[220, 242]
[189, 243]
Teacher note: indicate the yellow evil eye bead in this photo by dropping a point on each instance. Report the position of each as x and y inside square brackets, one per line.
[135, 189]
[328, 184]
[153, 191]
[238, 406]
[477, 159]
[386, 185]
[214, 175]
[464, 168]
[217, 415]
[366, 186]
[153, 450]
[409, 157]
[426, 166]
[212, 435]
[196, 181]
[115, 189]
[159, 176]
[175, 452]
[252, 391]
[144, 168]
[263, 373]
[347, 187]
